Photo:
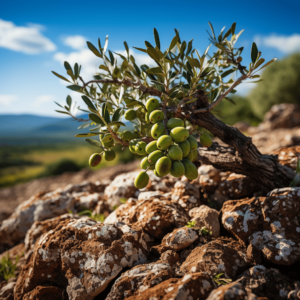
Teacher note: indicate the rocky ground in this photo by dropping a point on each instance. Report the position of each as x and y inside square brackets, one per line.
[220, 236]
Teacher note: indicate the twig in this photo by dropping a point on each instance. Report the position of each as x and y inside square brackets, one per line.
[222, 96]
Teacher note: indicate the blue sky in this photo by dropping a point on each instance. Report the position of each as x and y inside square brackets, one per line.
[37, 36]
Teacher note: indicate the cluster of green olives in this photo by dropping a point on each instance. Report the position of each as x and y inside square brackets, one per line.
[108, 142]
[172, 153]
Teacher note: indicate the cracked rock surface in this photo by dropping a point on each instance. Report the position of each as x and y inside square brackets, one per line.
[83, 256]
[270, 224]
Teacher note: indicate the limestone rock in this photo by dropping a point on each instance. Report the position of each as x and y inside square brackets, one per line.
[46, 206]
[236, 186]
[178, 239]
[142, 277]
[7, 291]
[163, 184]
[204, 216]
[223, 255]
[121, 187]
[209, 178]
[82, 256]
[269, 283]
[38, 228]
[288, 156]
[232, 291]
[111, 219]
[270, 224]
[191, 286]
[154, 216]
[45, 293]
[186, 194]
[284, 115]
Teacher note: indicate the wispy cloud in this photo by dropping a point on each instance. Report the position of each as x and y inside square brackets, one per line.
[284, 43]
[24, 39]
[40, 100]
[7, 100]
[77, 42]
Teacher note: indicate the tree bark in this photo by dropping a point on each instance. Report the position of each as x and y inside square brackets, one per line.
[243, 158]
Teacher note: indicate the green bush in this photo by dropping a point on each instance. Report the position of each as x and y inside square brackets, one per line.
[62, 166]
[242, 111]
[280, 85]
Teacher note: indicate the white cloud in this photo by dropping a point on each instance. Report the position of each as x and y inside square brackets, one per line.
[283, 43]
[76, 42]
[90, 63]
[28, 39]
[40, 100]
[6, 100]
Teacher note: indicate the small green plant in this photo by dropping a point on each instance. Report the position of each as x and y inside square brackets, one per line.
[191, 224]
[296, 179]
[221, 281]
[204, 231]
[8, 267]
[89, 213]
[123, 200]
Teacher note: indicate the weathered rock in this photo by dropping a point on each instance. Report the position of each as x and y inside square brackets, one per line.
[191, 286]
[38, 228]
[295, 294]
[7, 291]
[209, 178]
[205, 216]
[268, 283]
[268, 141]
[82, 256]
[154, 216]
[223, 255]
[232, 291]
[284, 115]
[45, 293]
[143, 277]
[288, 156]
[186, 194]
[151, 194]
[163, 184]
[270, 224]
[121, 187]
[46, 206]
[236, 187]
[178, 239]
[111, 219]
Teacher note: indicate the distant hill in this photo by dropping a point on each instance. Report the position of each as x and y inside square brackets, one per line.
[26, 128]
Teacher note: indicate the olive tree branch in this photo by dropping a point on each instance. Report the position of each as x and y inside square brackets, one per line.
[137, 85]
[222, 96]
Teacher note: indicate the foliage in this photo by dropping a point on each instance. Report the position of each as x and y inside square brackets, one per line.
[89, 213]
[241, 111]
[191, 224]
[221, 281]
[280, 85]
[180, 77]
[204, 231]
[8, 267]
[62, 166]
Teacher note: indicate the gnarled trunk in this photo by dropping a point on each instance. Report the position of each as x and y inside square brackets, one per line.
[243, 158]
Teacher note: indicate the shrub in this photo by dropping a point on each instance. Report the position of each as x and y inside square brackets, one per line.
[280, 85]
[62, 166]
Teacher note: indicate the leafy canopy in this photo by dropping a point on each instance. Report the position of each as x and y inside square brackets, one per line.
[178, 74]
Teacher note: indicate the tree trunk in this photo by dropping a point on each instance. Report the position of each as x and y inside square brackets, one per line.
[244, 158]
